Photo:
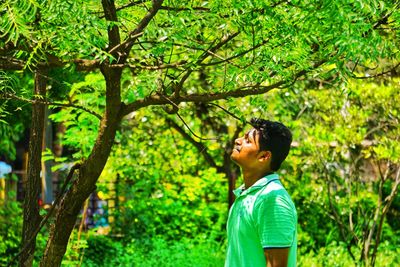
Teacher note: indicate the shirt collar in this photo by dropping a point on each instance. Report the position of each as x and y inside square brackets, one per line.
[257, 185]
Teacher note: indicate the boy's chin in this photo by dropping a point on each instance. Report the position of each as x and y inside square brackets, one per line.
[234, 158]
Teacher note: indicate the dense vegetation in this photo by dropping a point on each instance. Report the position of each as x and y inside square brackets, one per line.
[173, 205]
[146, 98]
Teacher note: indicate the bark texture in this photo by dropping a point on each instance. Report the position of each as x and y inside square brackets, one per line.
[33, 184]
[89, 172]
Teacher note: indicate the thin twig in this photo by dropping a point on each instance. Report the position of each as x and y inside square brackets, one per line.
[169, 62]
[228, 112]
[177, 9]
[238, 55]
[5, 95]
[384, 19]
[150, 67]
[183, 121]
[379, 74]
[134, 3]
[190, 130]
[138, 31]
[256, 89]
[200, 146]
[132, 36]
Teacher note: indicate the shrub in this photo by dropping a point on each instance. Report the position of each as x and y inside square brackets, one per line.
[10, 230]
[104, 251]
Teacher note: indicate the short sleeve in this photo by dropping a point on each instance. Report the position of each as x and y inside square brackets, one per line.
[275, 219]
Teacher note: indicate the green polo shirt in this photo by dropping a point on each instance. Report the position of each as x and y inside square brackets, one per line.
[262, 216]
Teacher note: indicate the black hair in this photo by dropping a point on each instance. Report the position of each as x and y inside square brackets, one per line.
[274, 137]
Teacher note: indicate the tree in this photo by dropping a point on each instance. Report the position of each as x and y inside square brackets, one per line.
[248, 48]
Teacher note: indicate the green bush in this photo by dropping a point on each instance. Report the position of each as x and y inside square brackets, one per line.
[336, 255]
[10, 230]
[179, 206]
[101, 245]
[11, 218]
[103, 251]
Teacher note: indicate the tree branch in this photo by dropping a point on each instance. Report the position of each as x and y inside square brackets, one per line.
[342, 226]
[126, 46]
[177, 9]
[242, 91]
[110, 14]
[223, 42]
[392, 71]
[75, 167]
[387, 203]
[377, 213]
[237, 55]
[86, 64]
[207, 97]
[195, 8]
[200, 147]
[175, 111]
[151, 67]
[190, 130]
[384, 20]
[172, 44]
[134, 3]
[205, 54]
[227, 111]
[9, 63]
[4, 95]
[81, 64]
[201, 8]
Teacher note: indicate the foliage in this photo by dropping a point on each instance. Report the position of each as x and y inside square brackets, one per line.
[195, 252]
[75, 251]
[81, 126]
[171, 52]
[9, 230]
[336, 254]
[9, 136]
[347, 150]
[16, 18]
[13, 115]
[169, 191]
[180, 252]
[166, 183]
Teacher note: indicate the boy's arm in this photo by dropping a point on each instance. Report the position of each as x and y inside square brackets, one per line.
[276, 257]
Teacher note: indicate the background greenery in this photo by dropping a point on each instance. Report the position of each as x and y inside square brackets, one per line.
[173, 206]
[172, 201]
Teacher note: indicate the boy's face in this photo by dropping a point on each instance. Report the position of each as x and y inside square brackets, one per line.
[246, 150]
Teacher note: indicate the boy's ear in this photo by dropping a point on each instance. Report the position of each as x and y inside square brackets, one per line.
[265, 155]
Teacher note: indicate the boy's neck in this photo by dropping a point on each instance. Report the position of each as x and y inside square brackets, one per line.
[250, 177]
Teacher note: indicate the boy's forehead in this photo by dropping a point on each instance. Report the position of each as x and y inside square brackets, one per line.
[253, 132]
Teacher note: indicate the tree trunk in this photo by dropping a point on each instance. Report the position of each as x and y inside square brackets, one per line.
[33, 184]
[89, 172]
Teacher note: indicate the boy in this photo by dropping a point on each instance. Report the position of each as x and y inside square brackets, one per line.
[263, 220]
